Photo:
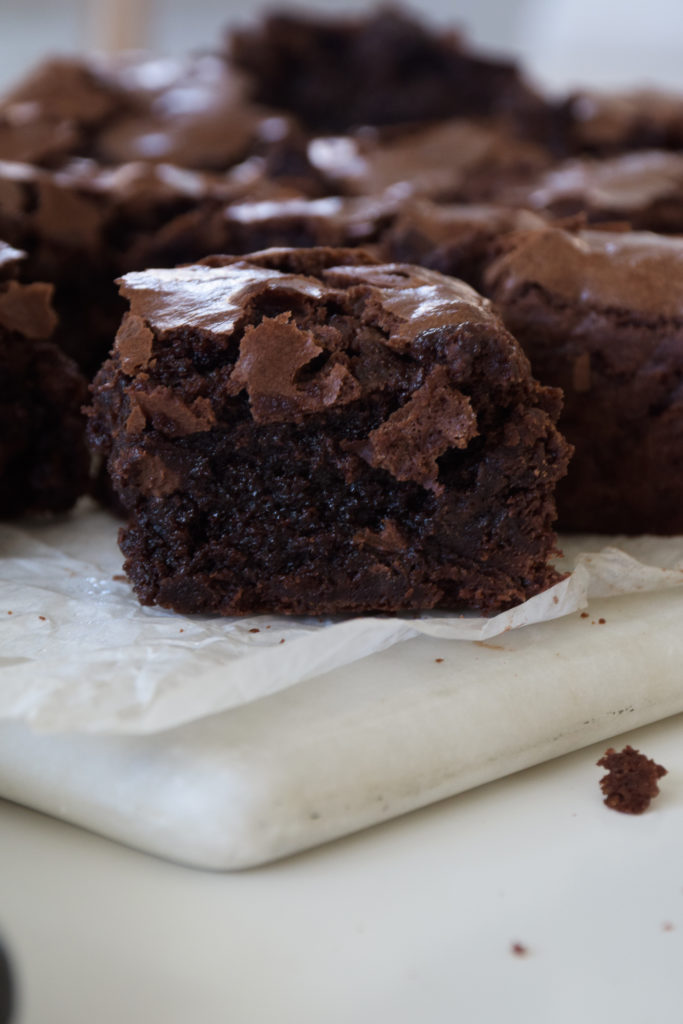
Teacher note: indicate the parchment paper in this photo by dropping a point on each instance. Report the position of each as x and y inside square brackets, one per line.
[79, 654]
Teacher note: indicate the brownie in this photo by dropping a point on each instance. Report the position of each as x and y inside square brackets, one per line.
[192, 112]
[600, 315]
[334, 221]
[631, 781]
[83, 225]
[311, 431]
[643, 189]
[44, 462]
[606, 123]
[459, 239]
[456, 160]
[379, 69]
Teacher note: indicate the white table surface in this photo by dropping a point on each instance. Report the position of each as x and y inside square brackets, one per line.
[409, 921]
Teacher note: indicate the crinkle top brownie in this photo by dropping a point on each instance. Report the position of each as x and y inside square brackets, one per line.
[459, 159]
[189, 111]
[459, 239]
[644, 189]
[307, 430]
[635, 273]
[600, 315]
[43, 458]
[606, 123]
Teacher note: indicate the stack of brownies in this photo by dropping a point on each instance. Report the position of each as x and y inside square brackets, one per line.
[382, 312]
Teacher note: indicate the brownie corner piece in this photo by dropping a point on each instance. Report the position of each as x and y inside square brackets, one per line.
[311, 431]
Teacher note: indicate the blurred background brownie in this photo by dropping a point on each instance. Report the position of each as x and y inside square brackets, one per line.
[44, 463]
[456, 160]
[192, 112]
[606, 123]
[600, 315]
[459, 239]
[306, 430]
[643, 189]
[380, 69]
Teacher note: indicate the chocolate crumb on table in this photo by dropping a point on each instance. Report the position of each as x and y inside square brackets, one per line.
[631, 780]
[519, 949]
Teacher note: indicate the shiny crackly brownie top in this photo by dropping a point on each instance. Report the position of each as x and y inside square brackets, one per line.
[639, 271]
[211, 295]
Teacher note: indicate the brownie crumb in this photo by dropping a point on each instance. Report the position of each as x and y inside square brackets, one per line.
[601, 622]
[631, 780]
[255, 630]
[519, 949]
[584, 615]
[42, 618]
[438, 660]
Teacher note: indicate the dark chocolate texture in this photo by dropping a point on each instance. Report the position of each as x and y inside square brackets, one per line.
[600, 315]
[307, 430]
[643, 189]
[382, 69]
[459, 239]
[44, 462]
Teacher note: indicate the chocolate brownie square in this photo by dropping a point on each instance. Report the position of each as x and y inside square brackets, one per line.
[459, 239]
[605, 123]
[311, 431]
[643, 189]
[600, 315]
[83, 225]
[44, 462]
[459, 160]
[380, 69]
[192, 112]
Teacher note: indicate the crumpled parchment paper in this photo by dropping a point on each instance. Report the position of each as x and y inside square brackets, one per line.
[79, 654]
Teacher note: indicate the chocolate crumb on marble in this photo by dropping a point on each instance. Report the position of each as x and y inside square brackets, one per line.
[632, 779]
[311, 431]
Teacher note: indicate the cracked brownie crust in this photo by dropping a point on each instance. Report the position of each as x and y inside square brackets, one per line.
[310, 431]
